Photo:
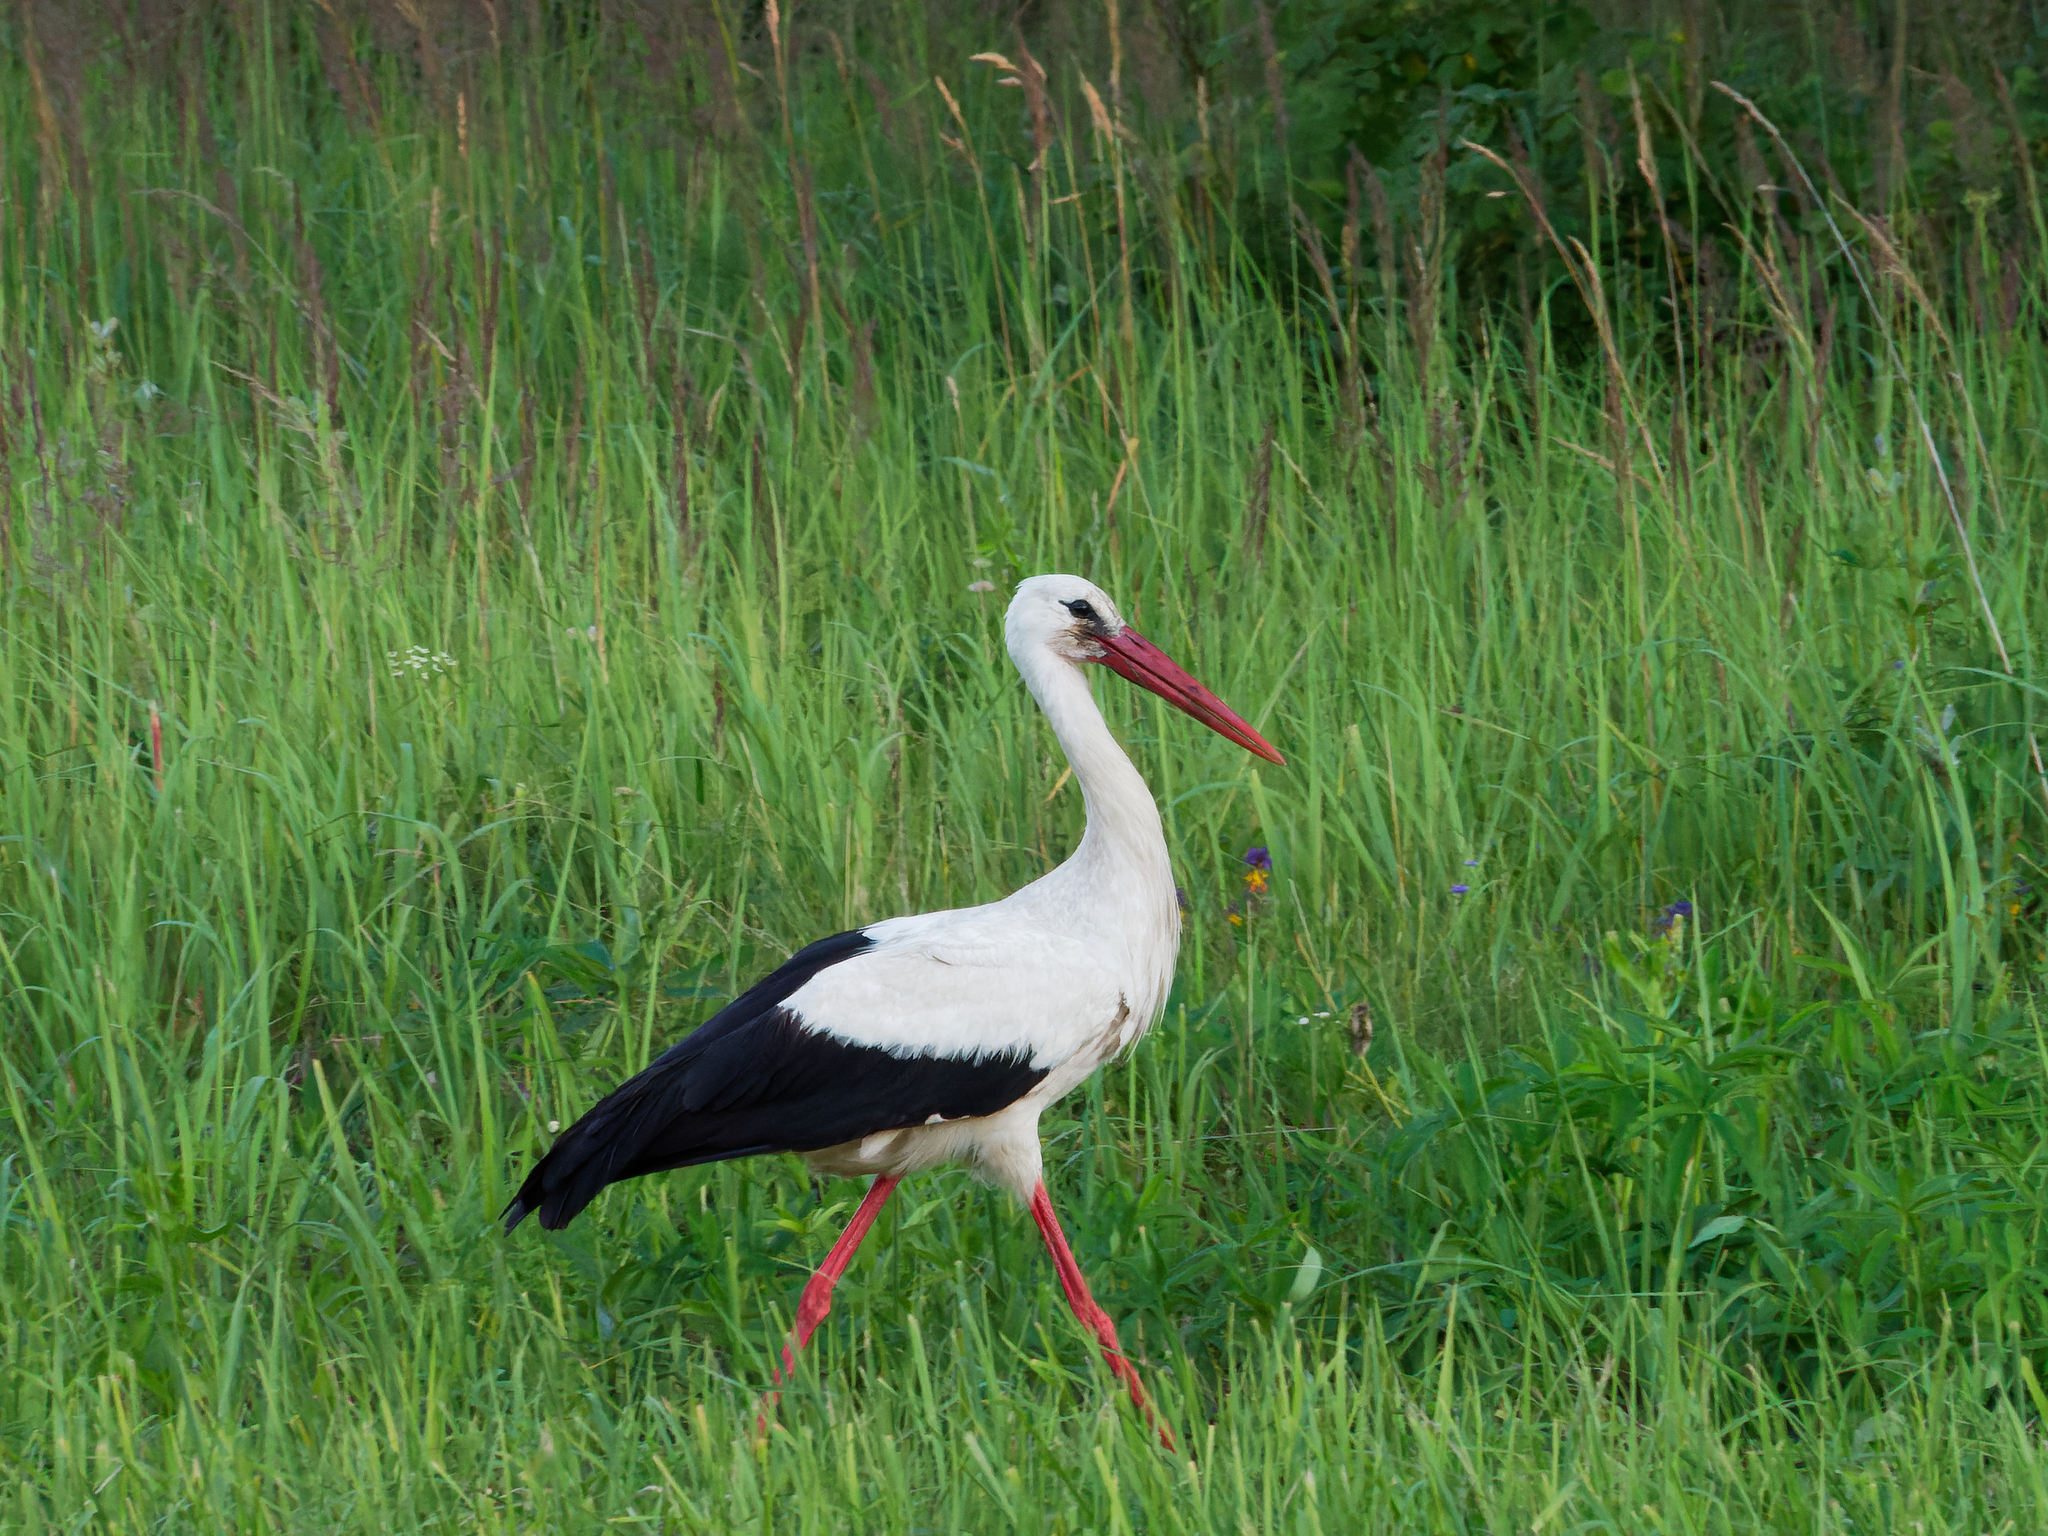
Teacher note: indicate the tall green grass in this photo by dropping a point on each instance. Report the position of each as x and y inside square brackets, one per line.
[492, 562]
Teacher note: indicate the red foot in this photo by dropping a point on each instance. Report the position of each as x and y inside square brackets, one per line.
[816, 1303]
[1091, 1315]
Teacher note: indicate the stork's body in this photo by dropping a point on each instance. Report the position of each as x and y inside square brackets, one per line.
[938, 1038]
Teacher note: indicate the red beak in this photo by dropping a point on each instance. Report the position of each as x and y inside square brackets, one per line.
[1129, 654]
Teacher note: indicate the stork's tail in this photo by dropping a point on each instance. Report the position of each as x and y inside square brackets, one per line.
[690, 1105]
[642, 1126]
[569, 1177]
[647, 1124]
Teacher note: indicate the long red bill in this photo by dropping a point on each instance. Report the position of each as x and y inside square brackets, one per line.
[1130, 655]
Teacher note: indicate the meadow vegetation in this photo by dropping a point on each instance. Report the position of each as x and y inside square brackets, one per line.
[505, 515]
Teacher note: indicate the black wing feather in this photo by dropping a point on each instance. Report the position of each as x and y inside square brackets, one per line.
[751, 1080]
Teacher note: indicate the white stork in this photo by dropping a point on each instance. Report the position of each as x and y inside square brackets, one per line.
[942, 1037]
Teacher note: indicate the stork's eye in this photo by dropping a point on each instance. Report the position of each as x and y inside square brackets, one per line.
[1080, 608]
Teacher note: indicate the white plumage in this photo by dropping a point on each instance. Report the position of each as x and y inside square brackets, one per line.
[942, 1037]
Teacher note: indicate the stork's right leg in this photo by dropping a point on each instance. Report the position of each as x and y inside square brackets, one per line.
[1085, 1308]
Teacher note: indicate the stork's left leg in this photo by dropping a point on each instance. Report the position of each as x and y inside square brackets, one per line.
[817, 1297]
[1085, 1308]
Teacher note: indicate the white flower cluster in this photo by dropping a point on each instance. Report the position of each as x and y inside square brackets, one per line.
[419, 661]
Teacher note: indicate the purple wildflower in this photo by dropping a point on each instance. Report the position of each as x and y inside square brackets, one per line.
[1460, 890]
[1665, 919]
[1259, 858]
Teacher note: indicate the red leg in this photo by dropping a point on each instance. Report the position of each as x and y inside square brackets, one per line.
[1085, 1308]
[817, 1298]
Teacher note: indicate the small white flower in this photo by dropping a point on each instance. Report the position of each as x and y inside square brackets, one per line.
[419, 661]
[146, 392]
[553, 1126]
[981, 586]
[104, 328]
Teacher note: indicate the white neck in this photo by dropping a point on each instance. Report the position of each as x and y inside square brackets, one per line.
[1115, 895]
[1125, 842]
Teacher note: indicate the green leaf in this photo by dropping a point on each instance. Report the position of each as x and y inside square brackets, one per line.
[1720, 1226]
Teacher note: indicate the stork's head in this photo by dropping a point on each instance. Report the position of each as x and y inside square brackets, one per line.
[1076, 621]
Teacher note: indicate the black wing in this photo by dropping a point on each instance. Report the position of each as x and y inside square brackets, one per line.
[753, 1079]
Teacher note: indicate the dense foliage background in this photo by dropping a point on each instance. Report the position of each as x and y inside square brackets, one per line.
[505, 512]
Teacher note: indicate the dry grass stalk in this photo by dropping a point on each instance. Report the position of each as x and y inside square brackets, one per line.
[964, 147]
[1116, 58]
[12, 414]
[1262, 495]
[2024, 155]
[1342, 338]
[1423, 253]
[1681, 456]
[1112, 131]
[1385, 248]
[1599, 171]
[1276, 79]
[1029, 77]
[1890, 151]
